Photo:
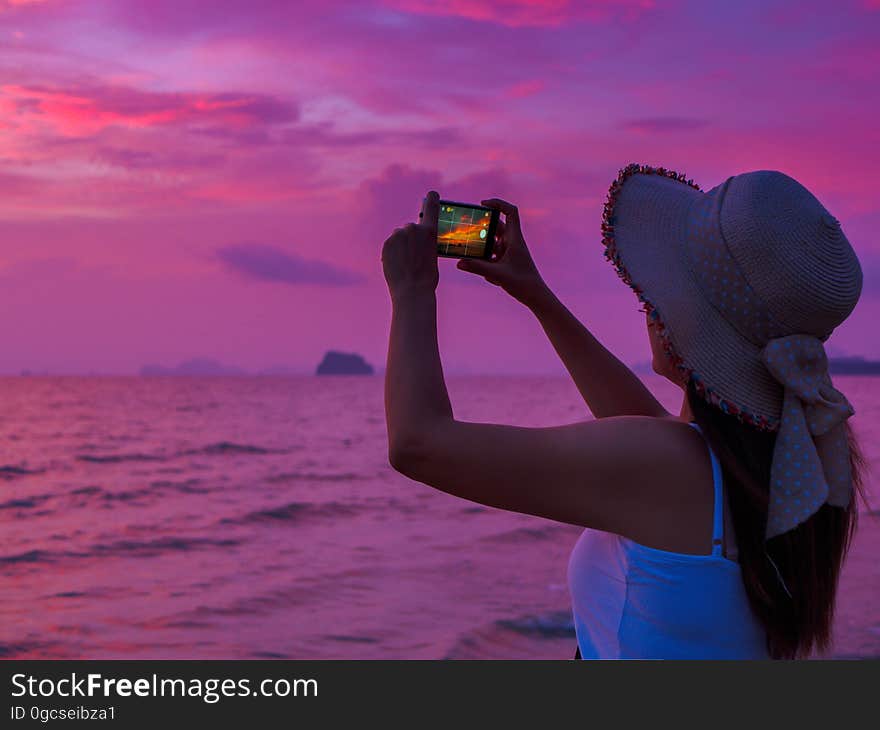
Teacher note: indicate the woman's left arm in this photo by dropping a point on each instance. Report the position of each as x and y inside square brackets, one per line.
[416, 399]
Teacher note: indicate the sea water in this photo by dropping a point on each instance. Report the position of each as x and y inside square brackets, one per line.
[176, 517]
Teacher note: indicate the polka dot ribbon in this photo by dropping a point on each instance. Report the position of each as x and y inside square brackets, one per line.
[811, 457]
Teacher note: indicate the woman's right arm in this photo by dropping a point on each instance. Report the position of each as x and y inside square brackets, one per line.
[608, 386]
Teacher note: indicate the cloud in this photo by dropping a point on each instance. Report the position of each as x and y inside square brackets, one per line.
[664, 125]
[86, 109]
[528, 13]
[12, 4]
[134, 159]
[270, 263]
[37, 272]
[323, 134]
[524, 89]
[15, 185]
[194, 16]
[394, 197]
[88, 145]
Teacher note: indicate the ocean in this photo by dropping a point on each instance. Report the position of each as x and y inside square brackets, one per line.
[258, 517]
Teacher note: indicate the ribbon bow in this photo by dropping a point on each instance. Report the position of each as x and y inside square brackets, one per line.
[811, 458]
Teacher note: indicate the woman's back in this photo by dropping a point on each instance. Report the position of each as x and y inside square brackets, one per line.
[631, 601]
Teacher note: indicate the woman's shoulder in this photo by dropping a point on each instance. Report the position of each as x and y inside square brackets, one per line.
[662, 440]
[670, 469]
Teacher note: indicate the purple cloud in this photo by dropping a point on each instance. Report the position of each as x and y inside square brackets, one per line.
[528, 13]
[104, 104]
[270, 263]
[133, 159]
[664, 125]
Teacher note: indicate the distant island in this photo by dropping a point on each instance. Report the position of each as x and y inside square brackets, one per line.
[343, 363]
[198, 366]
[853, 366]
[334, 363]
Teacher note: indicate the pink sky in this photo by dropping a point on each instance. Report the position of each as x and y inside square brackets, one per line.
[209, 178]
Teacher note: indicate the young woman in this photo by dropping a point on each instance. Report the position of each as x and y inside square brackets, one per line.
[730, 551]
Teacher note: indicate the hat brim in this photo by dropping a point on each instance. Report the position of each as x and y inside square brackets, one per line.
[645, 230]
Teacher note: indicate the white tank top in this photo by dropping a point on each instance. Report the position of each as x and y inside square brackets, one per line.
[631, 601]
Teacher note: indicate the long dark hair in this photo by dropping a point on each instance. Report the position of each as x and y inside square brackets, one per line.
[797, 614]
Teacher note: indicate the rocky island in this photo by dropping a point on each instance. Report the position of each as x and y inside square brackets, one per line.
[343, 363]
[853, 366]
[200, 366]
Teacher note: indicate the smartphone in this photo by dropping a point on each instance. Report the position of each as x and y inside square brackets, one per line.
[466, 231]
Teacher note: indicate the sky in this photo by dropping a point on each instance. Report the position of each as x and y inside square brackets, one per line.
[216, 178]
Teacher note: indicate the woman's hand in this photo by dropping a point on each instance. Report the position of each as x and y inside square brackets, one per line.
[511, 267]
[409, 255]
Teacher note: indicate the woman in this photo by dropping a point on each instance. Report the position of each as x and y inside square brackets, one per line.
[730, 551]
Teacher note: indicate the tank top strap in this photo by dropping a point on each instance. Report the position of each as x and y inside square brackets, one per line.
[717, 514]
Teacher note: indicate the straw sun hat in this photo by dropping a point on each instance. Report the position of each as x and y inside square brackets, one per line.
[745, 283]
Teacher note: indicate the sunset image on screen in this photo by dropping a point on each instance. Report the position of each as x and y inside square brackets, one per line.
[462, 231]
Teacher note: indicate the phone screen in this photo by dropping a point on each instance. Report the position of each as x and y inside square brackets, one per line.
[465, 231]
